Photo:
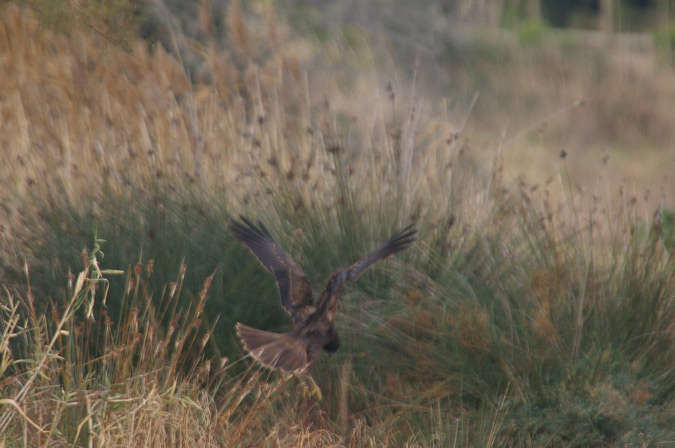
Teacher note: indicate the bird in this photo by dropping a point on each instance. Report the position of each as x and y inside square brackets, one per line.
[295, 352]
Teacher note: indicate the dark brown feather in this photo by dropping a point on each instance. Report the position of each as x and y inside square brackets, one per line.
[295, 290]
[398, 242]
[327, 306]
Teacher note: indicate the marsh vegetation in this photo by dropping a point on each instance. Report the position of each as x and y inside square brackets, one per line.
[536, 309]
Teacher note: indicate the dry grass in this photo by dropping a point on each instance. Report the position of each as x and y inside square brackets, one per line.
[77, 376]
[512, 322]
[78, 119]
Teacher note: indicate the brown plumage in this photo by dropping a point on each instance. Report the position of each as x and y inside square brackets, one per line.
[296, 351]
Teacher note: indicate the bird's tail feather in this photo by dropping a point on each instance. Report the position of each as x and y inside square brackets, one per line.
[284, 351]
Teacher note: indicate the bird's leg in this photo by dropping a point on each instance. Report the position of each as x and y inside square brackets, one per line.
[315, 392]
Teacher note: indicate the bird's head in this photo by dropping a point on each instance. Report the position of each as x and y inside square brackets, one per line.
[332, 345]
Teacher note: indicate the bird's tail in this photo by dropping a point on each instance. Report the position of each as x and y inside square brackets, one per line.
[284, 351]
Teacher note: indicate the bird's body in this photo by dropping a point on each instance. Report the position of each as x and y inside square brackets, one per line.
[296, 351]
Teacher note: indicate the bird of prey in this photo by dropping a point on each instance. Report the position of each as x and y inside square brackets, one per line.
[296, 352]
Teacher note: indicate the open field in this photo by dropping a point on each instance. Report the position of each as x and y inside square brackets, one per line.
[536, 309]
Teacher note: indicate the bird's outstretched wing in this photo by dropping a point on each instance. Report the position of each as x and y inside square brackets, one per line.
[294, 288]
[328, 305]
[398, 242]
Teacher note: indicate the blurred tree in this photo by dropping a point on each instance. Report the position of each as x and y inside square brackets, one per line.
[606, 12]
[559, 13]
[590, 13]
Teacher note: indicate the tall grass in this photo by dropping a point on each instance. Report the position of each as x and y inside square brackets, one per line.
[73, 376]
[516, 320]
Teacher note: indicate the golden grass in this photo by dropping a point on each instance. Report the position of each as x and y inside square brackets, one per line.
[267, 128]
[80, 114]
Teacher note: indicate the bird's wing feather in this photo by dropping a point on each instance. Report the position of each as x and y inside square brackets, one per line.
[294, 288]
[399, 241]
[283, 351]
